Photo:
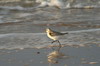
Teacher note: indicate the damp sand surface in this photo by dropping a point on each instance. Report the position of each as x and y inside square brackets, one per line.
[72, 56]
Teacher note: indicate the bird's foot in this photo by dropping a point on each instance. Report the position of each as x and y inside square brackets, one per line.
[53, 42]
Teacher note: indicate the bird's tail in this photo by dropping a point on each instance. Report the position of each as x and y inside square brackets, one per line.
[66, 33]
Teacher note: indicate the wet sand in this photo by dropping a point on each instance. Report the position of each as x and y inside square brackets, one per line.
[72, 56]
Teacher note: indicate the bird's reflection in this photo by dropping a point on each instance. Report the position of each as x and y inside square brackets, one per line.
[55, 56]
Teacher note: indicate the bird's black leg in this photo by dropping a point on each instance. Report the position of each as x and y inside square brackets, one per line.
[59, 45]
[53, 41]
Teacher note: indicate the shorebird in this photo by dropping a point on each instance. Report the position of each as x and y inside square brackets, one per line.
[54, 35]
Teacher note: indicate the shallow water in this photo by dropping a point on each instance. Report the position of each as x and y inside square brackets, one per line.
[22, 24]
[40, 40]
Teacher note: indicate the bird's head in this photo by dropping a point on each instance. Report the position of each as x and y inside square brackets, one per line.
[48, 30]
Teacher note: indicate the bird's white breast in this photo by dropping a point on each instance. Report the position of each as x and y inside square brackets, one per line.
[52, 37]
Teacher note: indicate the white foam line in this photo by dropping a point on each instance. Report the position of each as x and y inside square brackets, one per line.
[79, 31]
[11, 34]
[12, 7]
[89, 30]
